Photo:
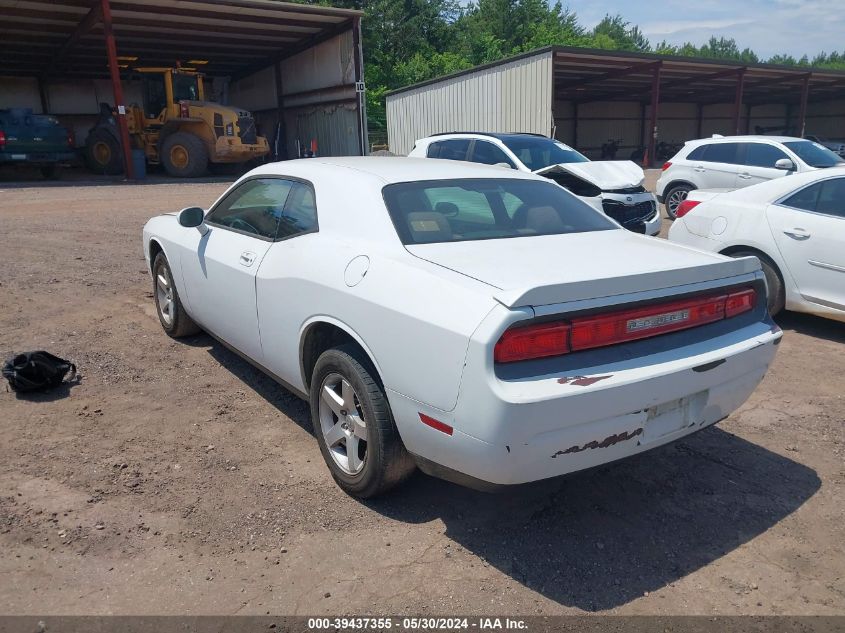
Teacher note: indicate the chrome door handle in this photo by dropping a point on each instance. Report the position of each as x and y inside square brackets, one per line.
[797, 233]
[247, 257]
[745, 176]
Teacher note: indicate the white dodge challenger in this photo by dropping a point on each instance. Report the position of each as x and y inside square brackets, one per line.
[485, 325]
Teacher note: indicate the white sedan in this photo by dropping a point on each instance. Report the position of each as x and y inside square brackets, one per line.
[484, 325]
[794, 225]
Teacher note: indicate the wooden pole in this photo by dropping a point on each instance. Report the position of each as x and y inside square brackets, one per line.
[802, 114]
[740, 86]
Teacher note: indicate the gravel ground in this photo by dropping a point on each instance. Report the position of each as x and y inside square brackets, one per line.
[175, 478]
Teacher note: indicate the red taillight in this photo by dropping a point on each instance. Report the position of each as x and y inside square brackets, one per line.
[666, 166]
[630, 325]
[739, 302]
[685, 207]
[184, 111]
[436, 424]
[621, 326]
[2, 138]
[532, 341]
[70, 139]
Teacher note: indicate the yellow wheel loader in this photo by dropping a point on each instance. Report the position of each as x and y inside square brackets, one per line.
[176, 128]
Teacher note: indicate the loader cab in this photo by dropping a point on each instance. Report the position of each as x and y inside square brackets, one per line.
[164, 88]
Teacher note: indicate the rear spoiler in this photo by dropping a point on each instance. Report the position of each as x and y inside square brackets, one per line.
[643, 282]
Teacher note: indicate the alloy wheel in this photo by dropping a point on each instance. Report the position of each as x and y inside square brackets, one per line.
[342, 424]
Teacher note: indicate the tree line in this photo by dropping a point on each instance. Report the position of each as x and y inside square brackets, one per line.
[408, 41]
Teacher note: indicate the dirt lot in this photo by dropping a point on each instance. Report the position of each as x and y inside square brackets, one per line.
[175, 478]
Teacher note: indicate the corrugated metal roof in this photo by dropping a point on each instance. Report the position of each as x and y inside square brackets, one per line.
[235, 37]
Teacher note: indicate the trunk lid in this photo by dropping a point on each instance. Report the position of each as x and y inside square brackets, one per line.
[607, 175]
[542, 270]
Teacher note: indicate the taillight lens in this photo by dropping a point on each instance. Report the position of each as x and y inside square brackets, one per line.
[601, 330]
[532, 341]
[666, 166]
[2, 138]
[685, 207]
[739, 302]
[70, 139]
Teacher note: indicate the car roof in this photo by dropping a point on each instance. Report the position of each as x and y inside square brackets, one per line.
[746, 137]
[502, 136]
[388, 169]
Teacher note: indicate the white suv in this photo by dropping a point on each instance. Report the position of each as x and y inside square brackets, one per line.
[613, 187]
[733, 162]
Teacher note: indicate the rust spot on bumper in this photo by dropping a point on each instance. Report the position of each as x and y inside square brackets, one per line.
[581, 381]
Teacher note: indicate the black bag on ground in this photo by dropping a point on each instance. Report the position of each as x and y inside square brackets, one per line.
[37, 371]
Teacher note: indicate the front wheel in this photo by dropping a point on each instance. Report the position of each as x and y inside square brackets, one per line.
[674, 197]
[171, 312]
[184, 155]
[354, 425]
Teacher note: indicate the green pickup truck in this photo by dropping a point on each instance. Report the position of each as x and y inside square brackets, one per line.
[34, 139]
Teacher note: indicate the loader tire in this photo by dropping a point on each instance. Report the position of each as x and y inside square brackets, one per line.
[102, 153]
[184, 155]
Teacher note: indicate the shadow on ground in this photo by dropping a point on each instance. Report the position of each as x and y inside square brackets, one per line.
[600, 538]
[812, 325]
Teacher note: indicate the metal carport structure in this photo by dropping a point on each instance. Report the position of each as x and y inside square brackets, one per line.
[245, 42]
[584, 96]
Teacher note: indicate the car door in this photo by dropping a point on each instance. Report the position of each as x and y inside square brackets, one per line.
[758, 163]
[715, 167]
[219, 271]
[809, 229]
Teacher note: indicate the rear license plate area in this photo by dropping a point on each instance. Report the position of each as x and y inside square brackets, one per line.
[673, 416]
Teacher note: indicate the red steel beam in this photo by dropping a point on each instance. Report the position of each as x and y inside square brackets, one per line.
[114, 72]
[740, 84]
[802, 113]
[655, 104]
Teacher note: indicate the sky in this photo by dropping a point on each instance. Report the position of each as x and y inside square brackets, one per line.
[768, 27]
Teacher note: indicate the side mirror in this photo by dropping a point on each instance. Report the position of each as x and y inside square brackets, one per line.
[191, 217]
[785, 164]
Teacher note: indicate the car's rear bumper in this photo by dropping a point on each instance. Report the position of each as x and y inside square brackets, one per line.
[36, 157]
[526, 430]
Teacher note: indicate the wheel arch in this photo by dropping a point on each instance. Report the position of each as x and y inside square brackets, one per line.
[785, 280]
[676, 183]
[324, 332]
[198, 127]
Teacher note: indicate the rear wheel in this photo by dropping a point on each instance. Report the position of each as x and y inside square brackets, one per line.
[102, 153]
[776, 296]
[674, 197]
[354, 425]
[171, 312]
[184, 155]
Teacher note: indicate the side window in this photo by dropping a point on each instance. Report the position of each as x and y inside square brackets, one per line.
[762, 155]
[832, 197]
[805, 199]
[487, 153]
[453, 149]
[697, 153]
[300, 213]
[255, 207]
[721, 153]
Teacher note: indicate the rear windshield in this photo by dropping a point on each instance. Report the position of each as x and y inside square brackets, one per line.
[536, 152]
[462, 210]
[813, 154]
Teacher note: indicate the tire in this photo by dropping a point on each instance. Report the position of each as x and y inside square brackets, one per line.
[381, 461]
[50, 172]
[776, 298]
[679, 193]
[102, 152]
[184, 155]
[171, 313]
